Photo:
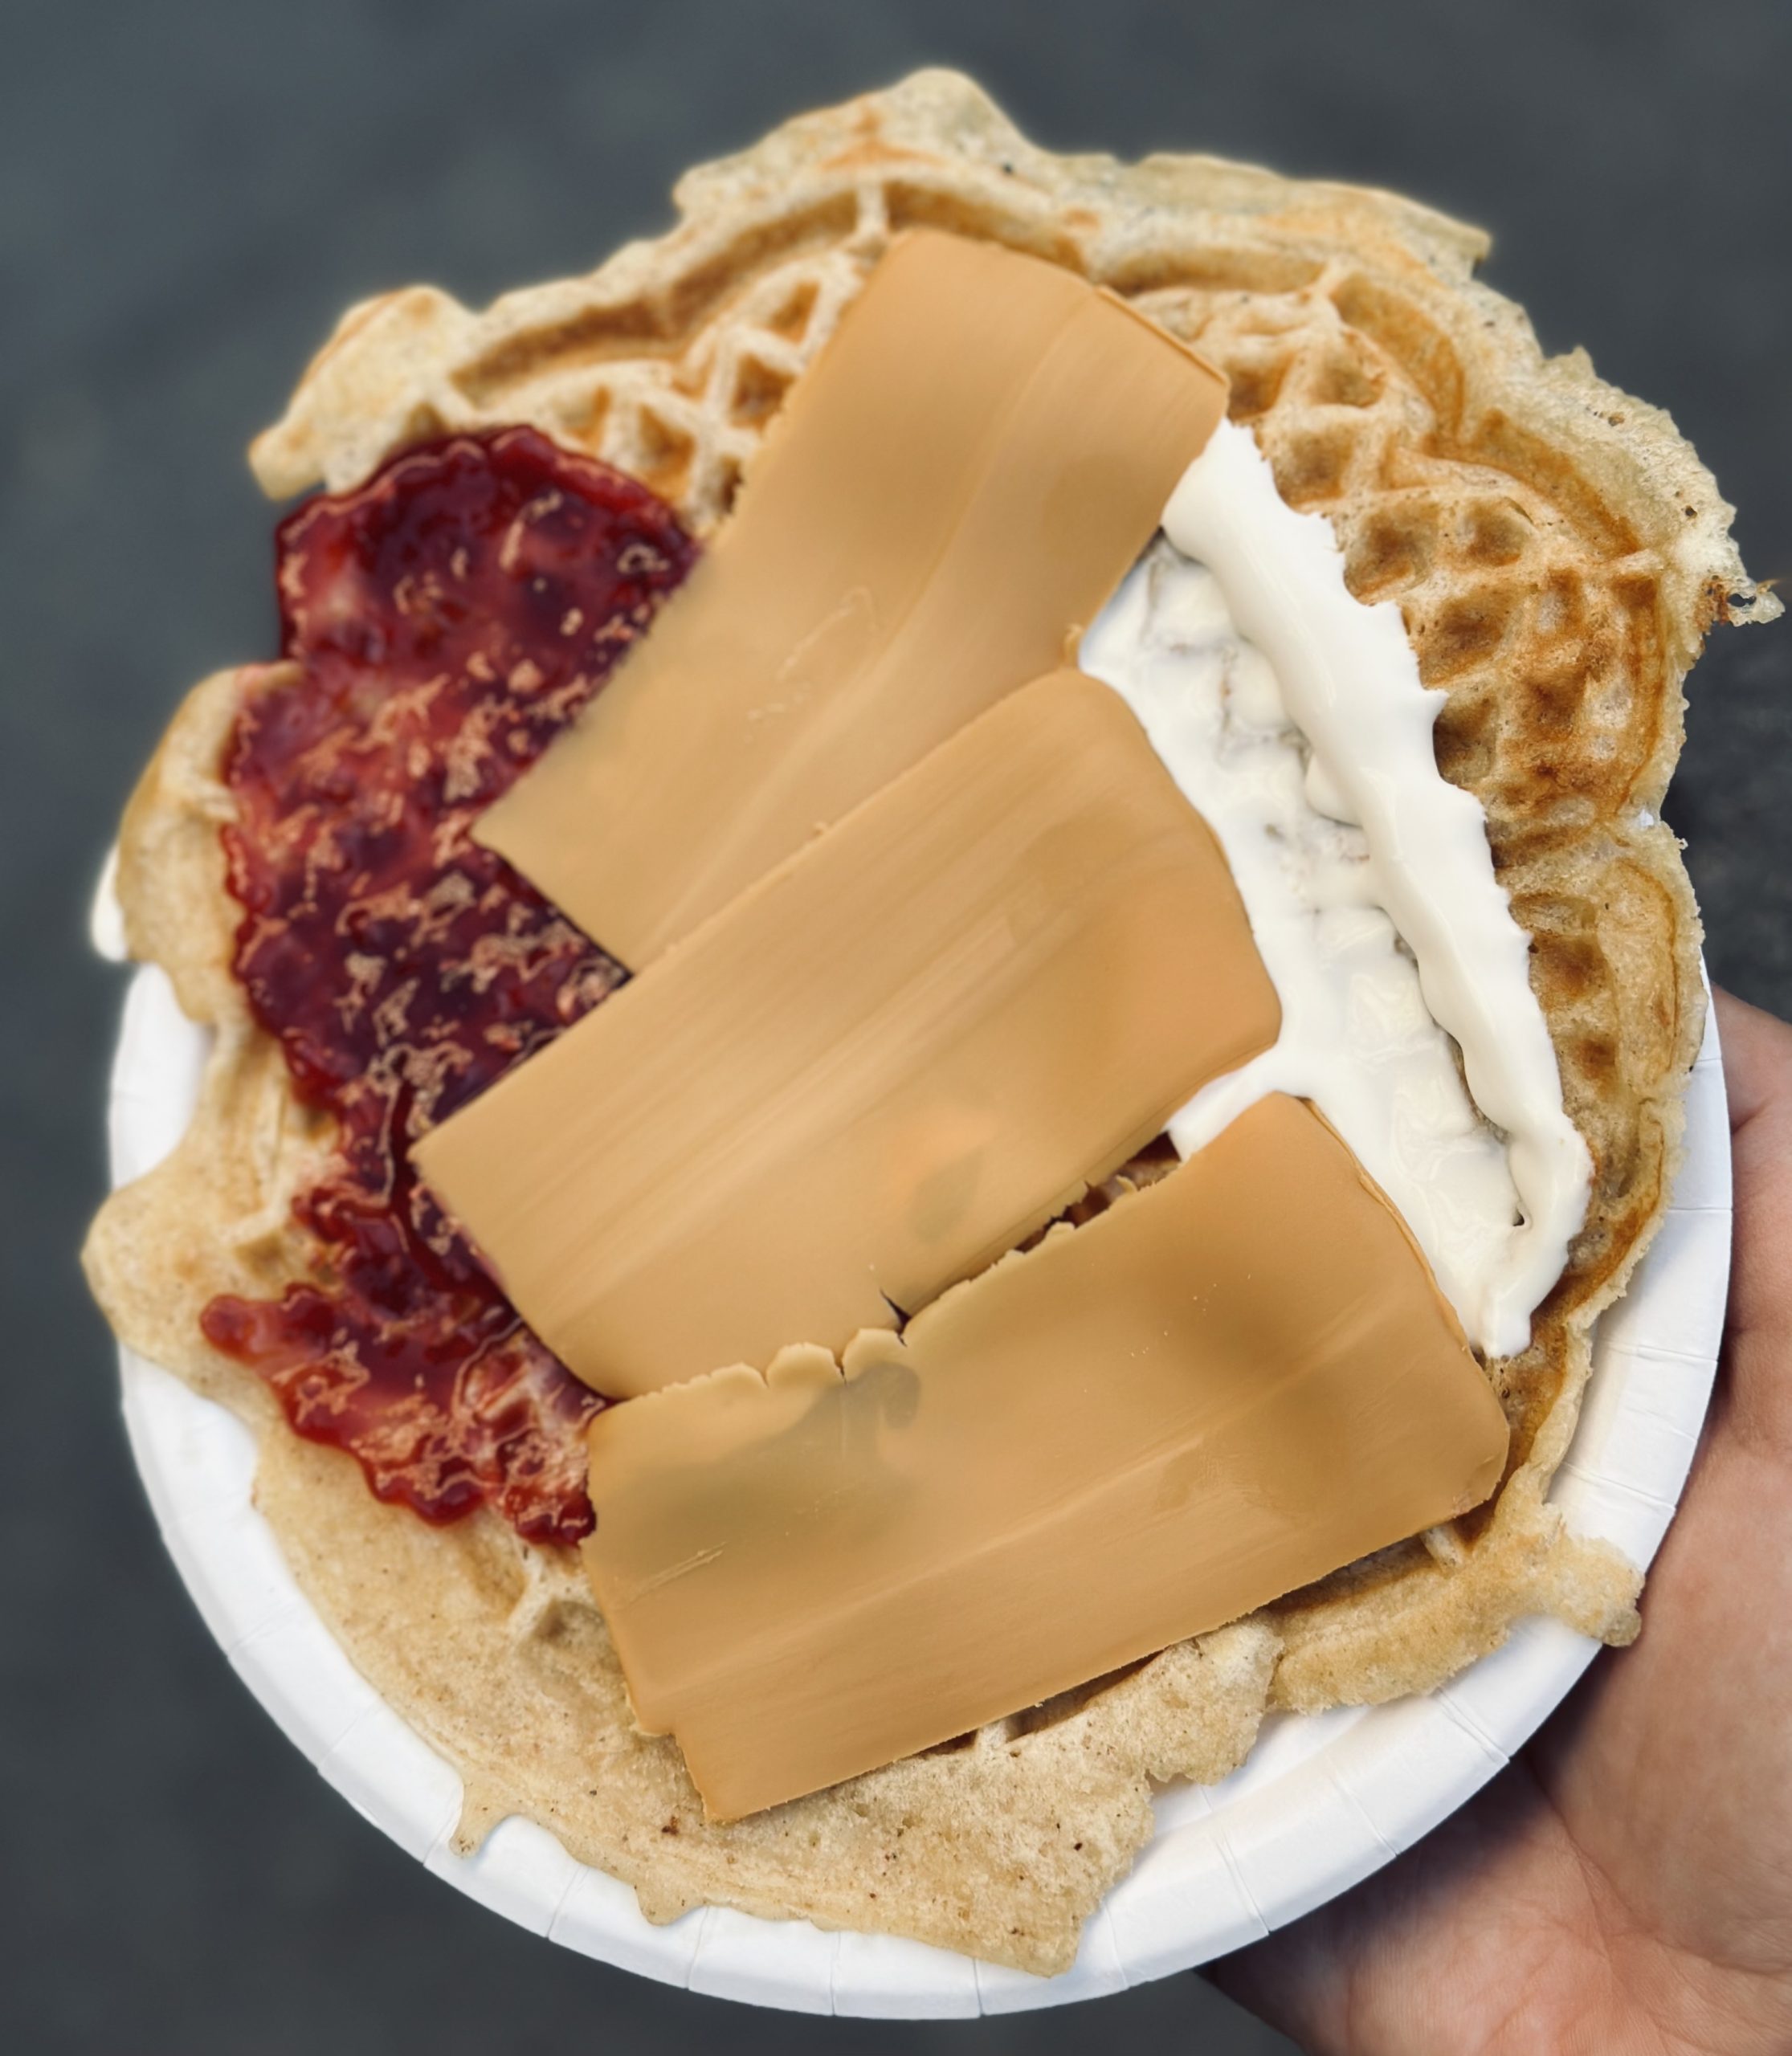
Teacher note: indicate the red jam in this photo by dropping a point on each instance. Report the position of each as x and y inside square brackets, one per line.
[449, 619]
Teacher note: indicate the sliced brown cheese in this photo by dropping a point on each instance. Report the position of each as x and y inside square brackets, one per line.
[879, 1068]
[1233, 1382]
[952, 490]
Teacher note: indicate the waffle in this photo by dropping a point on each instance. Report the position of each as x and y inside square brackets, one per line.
[1558, 552]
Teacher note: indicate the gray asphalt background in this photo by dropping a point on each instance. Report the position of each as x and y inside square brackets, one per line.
[188, 193]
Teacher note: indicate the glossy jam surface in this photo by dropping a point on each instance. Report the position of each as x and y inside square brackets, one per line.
[448, 619]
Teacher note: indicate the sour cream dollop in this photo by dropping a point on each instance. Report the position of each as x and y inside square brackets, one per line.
[1292, 717]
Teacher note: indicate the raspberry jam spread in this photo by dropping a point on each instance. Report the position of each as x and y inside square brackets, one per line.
[449, 617]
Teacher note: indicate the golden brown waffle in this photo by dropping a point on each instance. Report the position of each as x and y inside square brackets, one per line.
[1558, 553]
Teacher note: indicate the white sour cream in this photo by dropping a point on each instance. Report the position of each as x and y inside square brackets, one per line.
[1293, 718]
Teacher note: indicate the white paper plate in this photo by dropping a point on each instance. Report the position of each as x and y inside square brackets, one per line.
[1323, 1801]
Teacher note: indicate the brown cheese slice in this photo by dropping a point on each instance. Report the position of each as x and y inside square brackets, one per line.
[952, 490]
[1229, 1384]
[879, 1068]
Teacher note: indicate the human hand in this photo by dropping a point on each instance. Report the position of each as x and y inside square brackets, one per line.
[1627, 1884]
